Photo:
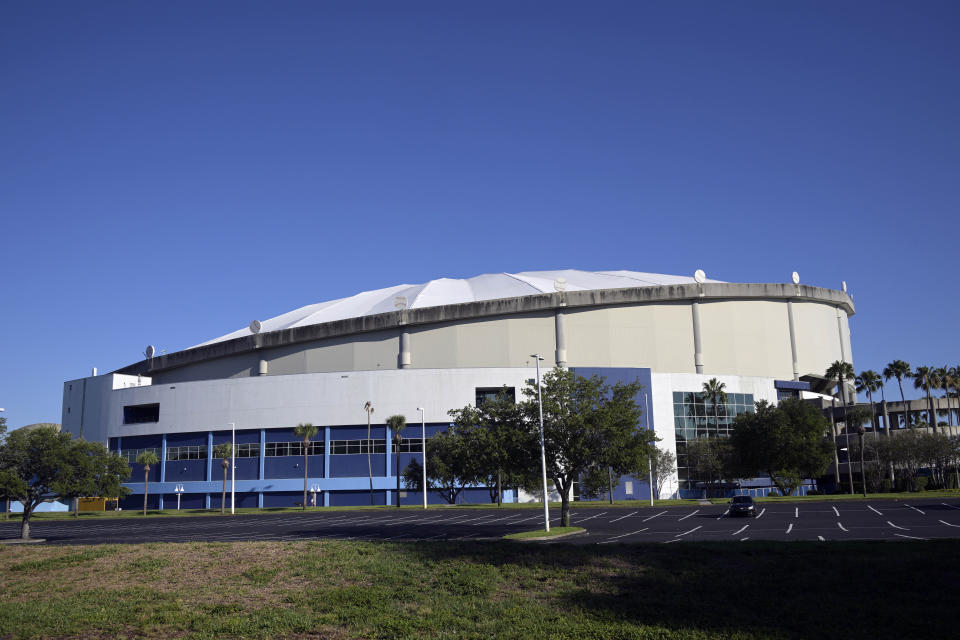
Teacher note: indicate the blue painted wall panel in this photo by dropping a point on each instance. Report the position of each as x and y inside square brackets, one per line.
[242, 500]
[356, 498]
[282, 435]
[283, 499]
[184, 471]
[142, 442]
[291, 466]
[187, 501]
[247, 436]
[194, 439]
[355, 466]
[357, 433]
[134, 502]
[136, 474]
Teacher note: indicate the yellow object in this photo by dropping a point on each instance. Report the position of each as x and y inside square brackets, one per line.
[95, 504]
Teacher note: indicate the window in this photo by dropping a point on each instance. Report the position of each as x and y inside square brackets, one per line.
[408, 445]
[356, 447]
[194, 452]
[278, 449]
[248, 450]
[137, 413]
[491, 393]
[694, 417]
[131, 455]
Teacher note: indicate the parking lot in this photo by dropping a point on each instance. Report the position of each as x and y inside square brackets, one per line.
[908, 520]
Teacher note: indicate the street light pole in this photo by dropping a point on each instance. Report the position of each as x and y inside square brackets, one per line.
[646, 411]
[233, 465]
[423, 448]
[543, 450]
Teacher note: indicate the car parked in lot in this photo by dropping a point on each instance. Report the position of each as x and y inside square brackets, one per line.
[743, 506]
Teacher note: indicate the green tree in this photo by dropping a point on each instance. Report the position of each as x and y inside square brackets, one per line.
[869, 382]
[709, 460]
[899, 369]
[224, 452]
[147, 459]
[397, 424]
[447, 465]
[43, 464]
[582, 417]
[495, 434]
[924, 378]
[305, 430]
[716, 392]
[942, 379]
[664, 466]
[787, 442]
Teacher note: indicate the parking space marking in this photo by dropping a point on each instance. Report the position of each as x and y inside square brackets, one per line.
[723, 514]
[949, 505]
[592, 517]
[915, 509]
[688, 515]
[669, 541]
[744, 539]
[790, 527]
[626, 516]
[691, 531]
[624, 535]
[874, 510]
[835, 511]
[761, 512]
[950, 525]
[821, 539]
[842, 528]
[654, 516]
[896, 527]
[796, 512]
[911, 537]
[740, 530]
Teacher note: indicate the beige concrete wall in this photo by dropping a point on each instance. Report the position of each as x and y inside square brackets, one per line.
[364, 352]
[490, 342]
[659, 336]
[746, 337]
[818, 341]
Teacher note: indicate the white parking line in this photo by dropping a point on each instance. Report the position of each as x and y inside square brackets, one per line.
[949, 525]
[653, 516]
[592, 517]
[723, 514]
[740, 530]
[688, 515]
[624, 535]
[949, 505]
[796, 512]
[691, 531]
[842, 528]
[790, 527]
[915, 509]
[874, 510]
[744, 539]
[761, 512]
[821, 539]
[626, 516]
[911, 537]
[896, 527]
[835, 511]
[669, 541]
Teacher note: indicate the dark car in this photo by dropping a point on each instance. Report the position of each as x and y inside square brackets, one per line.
[743, 506]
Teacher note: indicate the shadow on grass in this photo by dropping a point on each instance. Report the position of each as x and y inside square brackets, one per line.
[796, 590]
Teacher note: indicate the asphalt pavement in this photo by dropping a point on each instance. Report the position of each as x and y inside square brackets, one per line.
[906, 520]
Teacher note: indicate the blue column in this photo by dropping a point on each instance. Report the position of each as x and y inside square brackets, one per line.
[163, 460]
[260, 500]
[119, 445]
[326, 498]
[263, 449]
[209, 461]
[326, 460]
[208, 501]
[386, 432]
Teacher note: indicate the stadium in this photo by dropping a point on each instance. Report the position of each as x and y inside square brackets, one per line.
[421, 350]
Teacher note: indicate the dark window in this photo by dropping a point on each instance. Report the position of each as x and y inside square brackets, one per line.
[357, 447]
[280, 449]
[491, 393]
[137, 413]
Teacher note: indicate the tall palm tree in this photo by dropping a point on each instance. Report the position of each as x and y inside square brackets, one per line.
[925, 379]
[955, 380]
[224, 452]
[368, 407]
[883, 406]
[899, 369]
[869, 382]
[305, 430]
[396, 424]
[147, 459]
[715, 391]
[941, 377]
[841, 371]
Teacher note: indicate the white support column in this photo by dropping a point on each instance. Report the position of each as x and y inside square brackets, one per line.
[793, 340]
[561, 338]
[697, 343]
[405, 359]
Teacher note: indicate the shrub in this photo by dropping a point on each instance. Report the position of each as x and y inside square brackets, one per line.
[921, 483]
[886, 486]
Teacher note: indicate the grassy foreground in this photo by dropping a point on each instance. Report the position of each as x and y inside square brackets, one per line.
[543, 533]
[341, 589]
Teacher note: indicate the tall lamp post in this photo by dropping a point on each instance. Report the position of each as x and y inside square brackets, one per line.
[543, 451]
[233, 466]
[368, 407]
[423, 448]
[646, 412]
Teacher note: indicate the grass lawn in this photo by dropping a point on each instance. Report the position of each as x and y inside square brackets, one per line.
[543, 533]
[343, 589]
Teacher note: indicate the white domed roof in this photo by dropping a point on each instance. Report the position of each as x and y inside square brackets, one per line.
[444, 291]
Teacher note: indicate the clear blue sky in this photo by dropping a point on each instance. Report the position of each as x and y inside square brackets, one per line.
[170, 171]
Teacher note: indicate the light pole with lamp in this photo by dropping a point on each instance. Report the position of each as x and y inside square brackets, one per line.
[178, 490]
[646, 412]
[423, 448]
[233, 465]
[543, 452]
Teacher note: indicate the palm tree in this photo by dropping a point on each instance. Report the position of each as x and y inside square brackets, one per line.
[396, 424]
[224, 452]
[955, 381]
[147, 459]
[869, 382]
[941, 376]
[899, 369]
[925, 379]
[714, 389]
[368, 407]
[840, 371]
[305, 430]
